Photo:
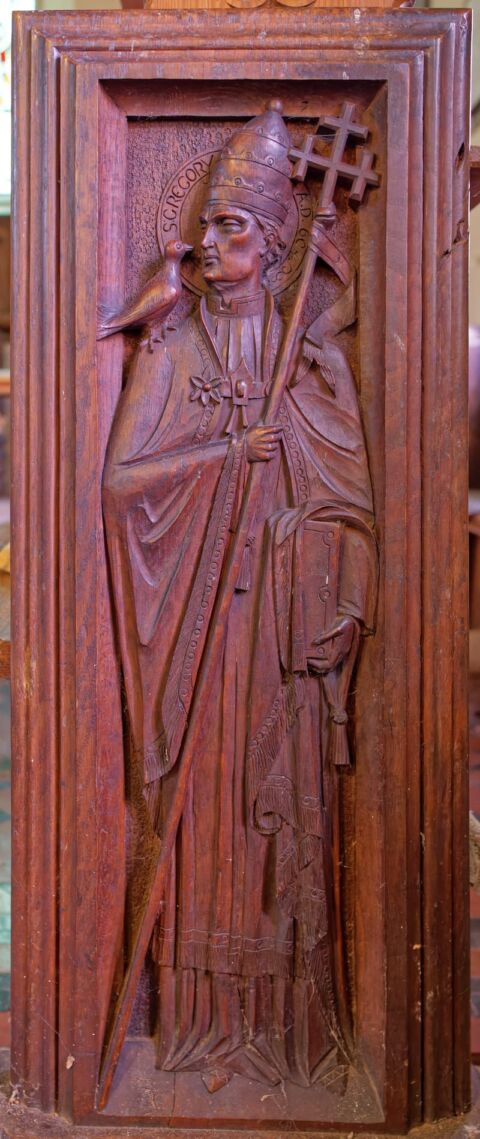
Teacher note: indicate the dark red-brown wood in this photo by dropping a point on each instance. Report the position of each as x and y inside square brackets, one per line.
[474, 176]
[85, 226]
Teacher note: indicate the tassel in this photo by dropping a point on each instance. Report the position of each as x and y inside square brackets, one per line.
[244, 581]
[338, 743]
[336, 685]
[338, 749]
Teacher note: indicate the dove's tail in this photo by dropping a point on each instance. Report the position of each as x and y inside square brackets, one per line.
[107, 323]
[104, 330]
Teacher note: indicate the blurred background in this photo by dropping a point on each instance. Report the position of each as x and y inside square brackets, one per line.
[6, 8]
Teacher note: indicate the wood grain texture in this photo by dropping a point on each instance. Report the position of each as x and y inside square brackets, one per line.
[17, 1121]
[34, 608]
[409, 875]
[4, 625]
[249, 5]
[4, 273]
[474, 176]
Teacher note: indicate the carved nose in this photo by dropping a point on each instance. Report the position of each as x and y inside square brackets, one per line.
[207, 238]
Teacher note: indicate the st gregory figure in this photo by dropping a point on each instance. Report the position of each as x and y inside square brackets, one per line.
[248, 942]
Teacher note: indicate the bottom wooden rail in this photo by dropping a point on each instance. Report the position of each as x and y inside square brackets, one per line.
[18, 1122]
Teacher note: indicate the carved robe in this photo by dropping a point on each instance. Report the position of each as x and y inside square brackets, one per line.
[247, 946]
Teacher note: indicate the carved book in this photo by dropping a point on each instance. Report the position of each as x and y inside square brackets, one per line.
[239, 536]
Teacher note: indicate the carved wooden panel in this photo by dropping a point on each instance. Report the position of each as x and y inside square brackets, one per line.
[238, 668]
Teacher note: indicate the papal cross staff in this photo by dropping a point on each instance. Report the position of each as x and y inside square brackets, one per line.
[333, 166]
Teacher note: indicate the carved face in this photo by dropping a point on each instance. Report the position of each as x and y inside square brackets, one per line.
[232, 246]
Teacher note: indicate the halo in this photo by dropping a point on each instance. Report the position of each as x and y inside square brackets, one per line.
[179, 210]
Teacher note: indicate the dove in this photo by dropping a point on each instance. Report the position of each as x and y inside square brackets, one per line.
[155, 301]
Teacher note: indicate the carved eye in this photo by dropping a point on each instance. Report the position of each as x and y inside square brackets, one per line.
[232, 225]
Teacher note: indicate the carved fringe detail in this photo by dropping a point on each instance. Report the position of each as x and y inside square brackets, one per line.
[241, 962]
[156, 759]
[297, 856]
[320, 972]
[276, 797]
[309, 911]
[265, 746]
[309, 908]
[223, 952]
[156, 762]
[152, 793]
[299, 899]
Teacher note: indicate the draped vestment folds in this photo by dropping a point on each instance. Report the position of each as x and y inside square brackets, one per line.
[248, 976]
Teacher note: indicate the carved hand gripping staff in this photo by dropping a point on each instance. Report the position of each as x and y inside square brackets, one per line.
[340, 637]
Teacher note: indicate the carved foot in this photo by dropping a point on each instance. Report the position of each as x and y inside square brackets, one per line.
[215, 1080]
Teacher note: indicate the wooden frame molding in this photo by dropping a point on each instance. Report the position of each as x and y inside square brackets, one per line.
[80, 79]
[474, 176]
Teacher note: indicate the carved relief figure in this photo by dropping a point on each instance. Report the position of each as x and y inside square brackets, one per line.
[239, 519]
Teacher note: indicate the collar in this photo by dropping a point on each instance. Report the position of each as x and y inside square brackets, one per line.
[272, 327]
[238, 306]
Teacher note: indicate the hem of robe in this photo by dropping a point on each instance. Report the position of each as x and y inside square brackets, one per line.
[241, 960]
[230, 1028]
